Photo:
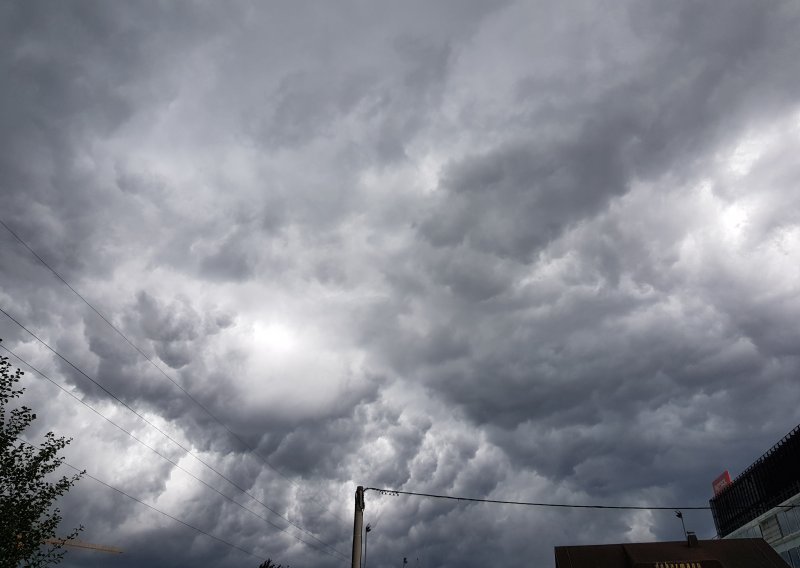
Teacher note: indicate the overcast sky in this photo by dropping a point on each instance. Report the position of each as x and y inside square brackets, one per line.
[538, 251]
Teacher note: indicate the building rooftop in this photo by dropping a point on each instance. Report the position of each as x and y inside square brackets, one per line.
[730, 553]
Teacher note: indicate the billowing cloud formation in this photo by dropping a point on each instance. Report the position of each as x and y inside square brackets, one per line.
[520, 251]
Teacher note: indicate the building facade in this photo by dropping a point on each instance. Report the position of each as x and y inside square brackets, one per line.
[764, 500]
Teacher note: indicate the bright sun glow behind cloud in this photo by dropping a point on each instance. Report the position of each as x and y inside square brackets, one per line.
[275, 337]
[733, 221]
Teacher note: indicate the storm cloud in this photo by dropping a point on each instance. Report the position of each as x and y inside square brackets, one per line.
[522, 251]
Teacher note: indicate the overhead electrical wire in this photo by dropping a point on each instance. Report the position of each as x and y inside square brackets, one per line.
[84, 473]
[155, 427]
[398, 492]
[177, 520]
[168, 459]
[530, 504]
[154, 364]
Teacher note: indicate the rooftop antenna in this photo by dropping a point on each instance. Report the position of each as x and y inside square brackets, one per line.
[680, 516]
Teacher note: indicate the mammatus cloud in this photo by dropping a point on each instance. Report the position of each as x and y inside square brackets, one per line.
[532, 253]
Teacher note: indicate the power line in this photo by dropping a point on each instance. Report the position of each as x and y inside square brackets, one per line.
[532, 504]
[168, 459]
[397, 492]
[160, 370]
[177, 520]
[173, 440]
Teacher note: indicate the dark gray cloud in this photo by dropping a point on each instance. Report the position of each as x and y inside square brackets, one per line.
[532, 252]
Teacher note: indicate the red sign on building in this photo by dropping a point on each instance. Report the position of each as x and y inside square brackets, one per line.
[720, 483]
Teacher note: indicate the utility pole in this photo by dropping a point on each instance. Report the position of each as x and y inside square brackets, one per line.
[358, 520]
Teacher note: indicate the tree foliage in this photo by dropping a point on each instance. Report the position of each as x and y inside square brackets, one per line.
[28, 490]
[269, 564]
